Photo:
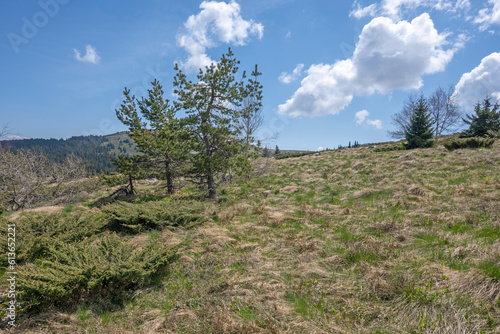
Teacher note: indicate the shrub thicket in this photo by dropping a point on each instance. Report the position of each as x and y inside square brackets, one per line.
[292, 155]
[136, 217]
[474, 142]
[388, 148]
[67, 270]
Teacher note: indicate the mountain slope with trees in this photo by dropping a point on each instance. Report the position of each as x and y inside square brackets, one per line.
[96, 152]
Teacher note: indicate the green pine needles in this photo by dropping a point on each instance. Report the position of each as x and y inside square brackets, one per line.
[419, 133]
[70, 270]
[484, 121]
[214, 140]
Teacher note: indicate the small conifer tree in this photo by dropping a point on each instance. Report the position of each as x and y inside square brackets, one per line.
[419, 132]
[486, 118]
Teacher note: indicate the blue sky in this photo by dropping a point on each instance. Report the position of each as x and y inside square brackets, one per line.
[333, 71]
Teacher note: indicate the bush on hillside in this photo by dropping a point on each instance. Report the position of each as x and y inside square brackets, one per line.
[113, 179]
[67, 270]
[292, 155]
[474, 142]
[137, 217]
[34, 228]
[388, 148]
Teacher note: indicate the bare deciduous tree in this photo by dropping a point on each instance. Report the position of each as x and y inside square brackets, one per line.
[401, 120]
[5, 131]
[22, 175]
[28, 178]
[445, 111]
[64, 184]
[251, 119]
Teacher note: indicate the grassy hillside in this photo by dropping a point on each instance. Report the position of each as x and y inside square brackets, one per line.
[96, 151]
[351, 241]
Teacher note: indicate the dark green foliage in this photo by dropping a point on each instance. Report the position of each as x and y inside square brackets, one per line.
[388, 148]
[266, 153]
[419, 132]
[469, 143]
[157, 133]
[292, 155]
[277, 150]
[67, 270]
[96, 151]
[113, 179]
[136, 217]
[34, 229]
[213, 114]
[133, 168]
[485, 119]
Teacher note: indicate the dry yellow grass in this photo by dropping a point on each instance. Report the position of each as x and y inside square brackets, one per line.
[352, 241]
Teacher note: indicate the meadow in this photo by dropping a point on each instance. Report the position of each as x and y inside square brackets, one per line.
[351, 241]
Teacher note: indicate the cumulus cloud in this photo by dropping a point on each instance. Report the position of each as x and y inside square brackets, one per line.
[482, 81]
[488, 16]
[396, 8]
[362, 119]
[90, 56]
[287, 78]
[388, 56]
[216, 23]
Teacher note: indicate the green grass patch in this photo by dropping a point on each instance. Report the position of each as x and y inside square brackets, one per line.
[491, 268]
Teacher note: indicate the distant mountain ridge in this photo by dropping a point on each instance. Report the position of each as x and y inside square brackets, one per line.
[96, 151]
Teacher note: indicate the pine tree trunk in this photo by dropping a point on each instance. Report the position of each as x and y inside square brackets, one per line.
[130, 181]
[169, 176]
[212, 192]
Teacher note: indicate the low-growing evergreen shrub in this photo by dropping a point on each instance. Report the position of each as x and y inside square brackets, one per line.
[474, 142]
[292, 155]
[33, 228]
[388, 148]
[67, 270]
[113, 179]
[136, 217]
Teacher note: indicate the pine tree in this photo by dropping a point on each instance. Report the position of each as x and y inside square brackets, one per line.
[419, 132]
[213, 113]
[133, 167]
[486, 118]
[266, 153]
[159, 135]
[277, 150]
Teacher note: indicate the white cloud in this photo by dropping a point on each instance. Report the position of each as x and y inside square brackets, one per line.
[217, 22]
[388, 56]
[482, 81]
[488, 16]
[90, 56]
[362, 119]
[287, 78]
[288, 35]
[396, 8]
[360, 12]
